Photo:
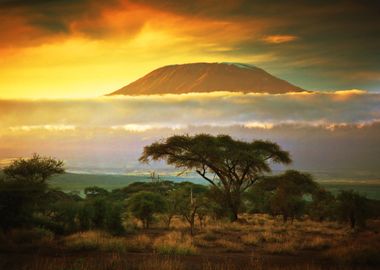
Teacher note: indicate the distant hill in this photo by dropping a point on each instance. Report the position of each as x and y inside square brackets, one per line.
[207, 77]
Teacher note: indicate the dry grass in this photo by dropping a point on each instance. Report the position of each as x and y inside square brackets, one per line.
[97, 240]
[364, 249]
[260, 235]
[113, 262]
[230, 246]
[175, 243]
[116, 261]
[289, 247]
[25, 239]
[316, 243]
[94, 240]
[252, 239]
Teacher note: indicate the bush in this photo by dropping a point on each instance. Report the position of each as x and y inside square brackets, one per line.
[144, 205]
[352, 208]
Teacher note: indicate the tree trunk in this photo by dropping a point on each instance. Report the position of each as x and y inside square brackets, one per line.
[285, 218]
[234, 215]
[191, 229]
[168, 222]
[352, 222]
[234, 202]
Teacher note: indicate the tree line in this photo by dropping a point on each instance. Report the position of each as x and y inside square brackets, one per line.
[239, 180]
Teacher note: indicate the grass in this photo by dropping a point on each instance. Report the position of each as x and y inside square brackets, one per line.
[288, 247]
[93, 240]
[316, 243]
[167, 248]
[25, 239]
[230, 246]
[116, 261]
[96, 240]
[175, 243]
[252, 239]
[363, 249]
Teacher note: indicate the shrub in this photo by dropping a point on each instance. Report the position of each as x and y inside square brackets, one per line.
[144, 205]
[352, 208]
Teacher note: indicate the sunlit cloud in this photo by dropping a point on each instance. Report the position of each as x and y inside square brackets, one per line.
[277, 39]
[140, 113]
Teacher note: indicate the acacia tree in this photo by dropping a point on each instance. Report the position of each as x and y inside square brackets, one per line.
[145, 204]
[230, 166]
[353, 208]
[24, 188]
[36, 169]
[287, 191]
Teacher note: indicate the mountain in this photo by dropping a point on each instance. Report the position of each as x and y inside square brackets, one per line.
[207, 77]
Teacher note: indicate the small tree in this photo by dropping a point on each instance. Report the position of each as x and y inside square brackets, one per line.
[144, 204]
[258, 199]
[288, 190]
[323, 205]
[113, 219]
[352, 208]
[173, 200]
[191, 205]
[36, 169]
[24, 188]
[230, 166]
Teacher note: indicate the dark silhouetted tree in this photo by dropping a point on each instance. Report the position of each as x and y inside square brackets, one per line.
[144, 204]
[288, 190]
[24, 188]
[323, 205]
[230, 166]
[352, 208]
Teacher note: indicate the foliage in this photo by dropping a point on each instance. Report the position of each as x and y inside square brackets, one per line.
[24, 188]
[231, 166]
[352, 208]
[36, 169]
[144, 204]
[191, 204]
[288, 190]
[323, 205]
[258, 199]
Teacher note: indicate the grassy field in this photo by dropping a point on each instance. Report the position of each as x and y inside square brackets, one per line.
[78, 182]
[260, 242]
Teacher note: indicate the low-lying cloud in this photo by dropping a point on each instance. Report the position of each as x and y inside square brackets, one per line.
[322, 131]
[351, 107]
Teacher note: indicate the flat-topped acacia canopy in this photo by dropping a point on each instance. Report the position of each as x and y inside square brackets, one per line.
[231, 166]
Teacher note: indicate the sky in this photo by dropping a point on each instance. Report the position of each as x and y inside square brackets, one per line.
[58, 58]
[87, 48]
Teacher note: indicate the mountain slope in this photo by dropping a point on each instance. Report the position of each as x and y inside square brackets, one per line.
[207, 77]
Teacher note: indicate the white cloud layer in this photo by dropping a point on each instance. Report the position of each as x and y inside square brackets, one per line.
[323, 131]
[174, 111]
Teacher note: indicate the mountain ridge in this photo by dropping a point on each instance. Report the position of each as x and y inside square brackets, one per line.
[207, 77]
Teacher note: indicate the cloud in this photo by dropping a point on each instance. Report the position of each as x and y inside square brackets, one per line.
[216, 108]
[124, 39]
[277, 39]
[324, 131]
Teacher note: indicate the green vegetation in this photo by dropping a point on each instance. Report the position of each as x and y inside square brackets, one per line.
[229, 165]
[278, 214]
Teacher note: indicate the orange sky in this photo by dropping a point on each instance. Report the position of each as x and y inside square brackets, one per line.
[133, 40]
[87, 48]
